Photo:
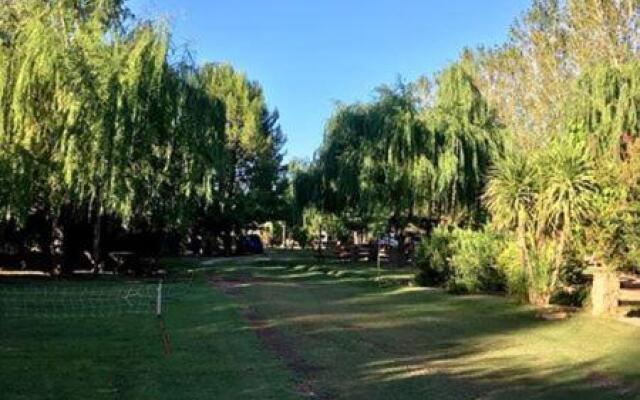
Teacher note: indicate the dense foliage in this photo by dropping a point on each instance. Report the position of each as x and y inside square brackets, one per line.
[101, 121]
[519, 164]
[463, 260]
[525, 154]
[404, 157]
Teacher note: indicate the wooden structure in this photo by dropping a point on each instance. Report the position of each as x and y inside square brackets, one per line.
[374, 251]
[361, 253]
[613, 293]
[629, 297]
[384, 254]
[341, 252]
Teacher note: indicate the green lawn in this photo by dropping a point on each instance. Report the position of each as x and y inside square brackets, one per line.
[294, 328]
[363, 340]
[214, 355]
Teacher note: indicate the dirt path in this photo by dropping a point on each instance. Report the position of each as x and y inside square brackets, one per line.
[284, 348]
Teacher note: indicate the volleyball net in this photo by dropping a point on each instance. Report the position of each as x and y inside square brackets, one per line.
[88, 298]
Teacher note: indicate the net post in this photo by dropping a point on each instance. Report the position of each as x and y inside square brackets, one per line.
[159, 300]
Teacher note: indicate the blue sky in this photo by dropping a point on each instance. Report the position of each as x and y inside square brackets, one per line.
[309, 54]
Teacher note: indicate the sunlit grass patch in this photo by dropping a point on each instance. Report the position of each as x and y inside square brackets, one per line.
[374, 336]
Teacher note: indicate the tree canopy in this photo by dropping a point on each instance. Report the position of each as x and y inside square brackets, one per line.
[99, 115]
[535, 138]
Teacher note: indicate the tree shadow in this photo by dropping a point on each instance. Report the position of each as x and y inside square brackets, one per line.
[372, 342]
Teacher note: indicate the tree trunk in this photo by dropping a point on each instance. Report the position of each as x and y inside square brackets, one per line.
[605, 292]
[227, 242]
[557, 266]
[97, 241]
[56, 247]
[401, 248]
[284, 235]
[454, 198]
[524, 260]
[320, 240]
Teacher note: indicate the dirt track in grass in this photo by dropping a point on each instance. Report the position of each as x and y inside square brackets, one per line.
[273, 340]
[345, 335]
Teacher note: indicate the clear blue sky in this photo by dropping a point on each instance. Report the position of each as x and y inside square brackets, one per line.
[308, 54]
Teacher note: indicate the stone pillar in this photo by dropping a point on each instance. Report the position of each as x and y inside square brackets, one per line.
[605, 292]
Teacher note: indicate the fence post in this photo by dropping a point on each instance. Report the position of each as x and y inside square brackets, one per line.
[159, 300]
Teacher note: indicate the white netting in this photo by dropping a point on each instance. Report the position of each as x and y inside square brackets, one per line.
[86, 299]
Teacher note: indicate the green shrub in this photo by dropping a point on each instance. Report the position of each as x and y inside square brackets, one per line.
[536, 289]
[468, 261]
[574, 285]
[463, 260]
[432, 258]
[574, 298]
[508, 261]
[473, 262]
[301, 236]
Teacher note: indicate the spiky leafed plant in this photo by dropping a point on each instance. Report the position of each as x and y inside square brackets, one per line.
[568, 184]
[542, 197]
[511, 197]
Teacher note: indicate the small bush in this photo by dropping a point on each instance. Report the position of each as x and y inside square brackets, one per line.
[473, 262]
[301, 236]
[432, 258]
[574, 285]
[508, 261]
[577, 297]
[468, 261]
[463, 260]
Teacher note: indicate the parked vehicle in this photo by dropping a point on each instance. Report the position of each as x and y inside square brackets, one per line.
[250, 244]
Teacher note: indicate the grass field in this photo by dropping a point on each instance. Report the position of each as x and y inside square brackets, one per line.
[290, 327]
[214, 355]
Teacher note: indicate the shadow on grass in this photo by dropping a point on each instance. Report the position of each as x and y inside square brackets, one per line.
[369, 341]
[442, 377]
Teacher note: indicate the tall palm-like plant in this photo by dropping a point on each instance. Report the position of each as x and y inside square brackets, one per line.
[510, 198]
[542, 197]
[565, 200]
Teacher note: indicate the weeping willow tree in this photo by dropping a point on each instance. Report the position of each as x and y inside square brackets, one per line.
[79, 120]
[369, 164]
[193, 157]
[407, 155]
[96, 121]
[467, 137]
[340, 159]
[604, 112]
[251, 183]
[394, 166]
[605, 107]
